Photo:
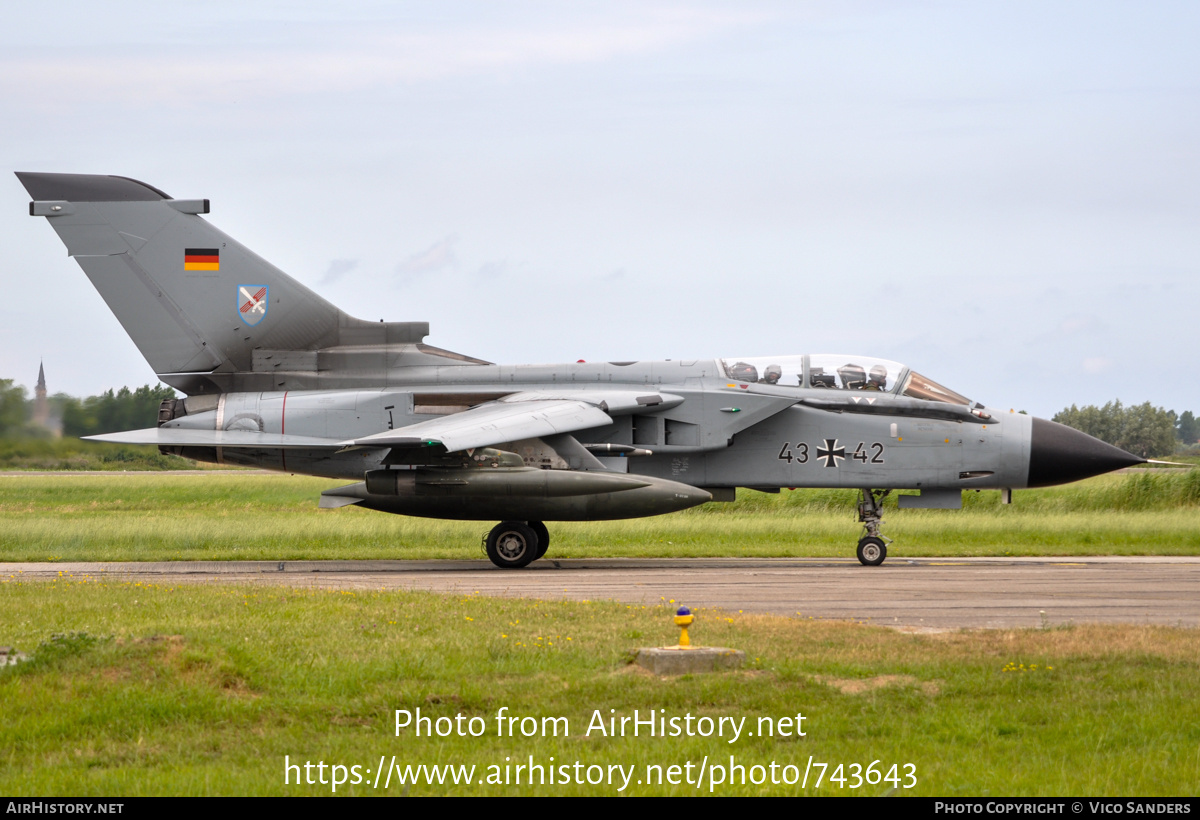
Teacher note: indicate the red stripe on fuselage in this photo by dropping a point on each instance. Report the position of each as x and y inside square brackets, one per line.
[283, 429]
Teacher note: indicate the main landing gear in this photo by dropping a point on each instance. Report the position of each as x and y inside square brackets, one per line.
[515, 544]
[872, 547]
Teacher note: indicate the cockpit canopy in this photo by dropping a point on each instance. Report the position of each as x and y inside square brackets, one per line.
[827, 371]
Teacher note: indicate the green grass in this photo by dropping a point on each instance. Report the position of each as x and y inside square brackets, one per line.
[274, 517]
[204, 689]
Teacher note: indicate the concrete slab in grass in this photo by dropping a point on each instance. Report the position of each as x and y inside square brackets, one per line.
[679, 660]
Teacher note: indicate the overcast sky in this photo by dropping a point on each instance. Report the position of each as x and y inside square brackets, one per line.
[1005, 196]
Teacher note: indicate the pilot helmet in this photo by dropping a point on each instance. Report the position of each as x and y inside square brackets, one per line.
[744, 372]
[853, 376]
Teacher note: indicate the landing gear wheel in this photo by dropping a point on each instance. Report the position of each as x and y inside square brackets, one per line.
[872, 547]
[543, 537]
[871, 551]
[512, 545]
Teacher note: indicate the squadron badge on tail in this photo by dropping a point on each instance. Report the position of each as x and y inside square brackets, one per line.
[252, 303]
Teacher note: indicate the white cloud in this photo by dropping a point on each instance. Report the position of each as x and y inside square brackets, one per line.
[492, 270]
[337, 269]
[1080, 323]
[437, 256]
[192, 73]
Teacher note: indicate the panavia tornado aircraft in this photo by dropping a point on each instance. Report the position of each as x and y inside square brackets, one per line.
[277, 377]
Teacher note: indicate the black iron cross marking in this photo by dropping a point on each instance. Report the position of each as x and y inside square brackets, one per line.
[831, 453]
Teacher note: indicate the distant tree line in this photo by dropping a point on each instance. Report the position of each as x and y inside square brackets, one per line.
[109, 412]
[1140, 429]
[113, 412]
[1188, 428]
[13, 411]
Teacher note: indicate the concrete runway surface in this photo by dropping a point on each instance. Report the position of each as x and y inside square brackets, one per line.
[907, 593]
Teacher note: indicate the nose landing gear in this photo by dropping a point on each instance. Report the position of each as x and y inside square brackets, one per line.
[872, 547]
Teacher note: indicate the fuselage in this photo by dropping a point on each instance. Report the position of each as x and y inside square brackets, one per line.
[725, 433]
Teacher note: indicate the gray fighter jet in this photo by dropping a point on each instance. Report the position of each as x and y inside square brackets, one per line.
[277, 377]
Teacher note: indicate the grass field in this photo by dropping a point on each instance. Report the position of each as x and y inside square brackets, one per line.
[205, 689]
[226, 515]
[133, 689]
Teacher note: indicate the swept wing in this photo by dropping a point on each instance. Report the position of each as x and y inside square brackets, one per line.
[188, 437]
[516, 417]
[513, 418]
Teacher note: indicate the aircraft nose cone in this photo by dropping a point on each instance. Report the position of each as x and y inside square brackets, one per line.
[1059, 454]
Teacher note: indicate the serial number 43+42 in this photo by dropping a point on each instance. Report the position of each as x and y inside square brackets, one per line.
[831, 452]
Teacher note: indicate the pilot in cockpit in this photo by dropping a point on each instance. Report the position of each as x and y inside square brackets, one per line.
[854, 377]
[878, 379]
[772, 373]
[744, 371]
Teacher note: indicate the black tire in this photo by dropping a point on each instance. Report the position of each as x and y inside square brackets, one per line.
[512, 545]
[543, 537]
[871, 551]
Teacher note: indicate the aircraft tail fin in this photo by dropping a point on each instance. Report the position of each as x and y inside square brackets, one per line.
[193, 299]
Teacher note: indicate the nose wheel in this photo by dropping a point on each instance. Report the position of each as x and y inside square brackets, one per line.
[872, 547]
[871, 551]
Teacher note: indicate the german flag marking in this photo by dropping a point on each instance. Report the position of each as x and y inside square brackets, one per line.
[202, 259]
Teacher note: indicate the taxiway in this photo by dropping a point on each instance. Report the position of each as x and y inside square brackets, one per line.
[907, 593]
